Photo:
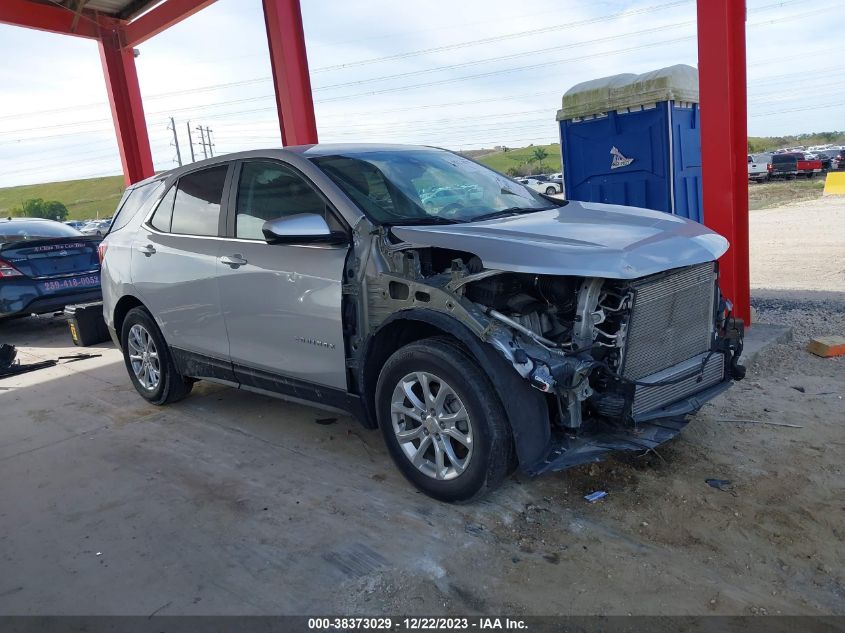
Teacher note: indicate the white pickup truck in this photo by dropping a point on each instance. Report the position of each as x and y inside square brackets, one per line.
[759, 167]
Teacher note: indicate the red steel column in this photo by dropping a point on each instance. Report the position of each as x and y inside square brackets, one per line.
[126, 106]
[286, 41]
[724, 139]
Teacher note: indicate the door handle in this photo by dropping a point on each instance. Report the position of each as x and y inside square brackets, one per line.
[147, 249]
[233, 260]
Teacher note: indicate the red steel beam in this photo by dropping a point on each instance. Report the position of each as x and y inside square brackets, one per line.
[286, 40]
[724, 140]
[126, 106]
[161, 18]
[45, 17]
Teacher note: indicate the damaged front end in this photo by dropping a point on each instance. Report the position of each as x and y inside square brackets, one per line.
[619, 364]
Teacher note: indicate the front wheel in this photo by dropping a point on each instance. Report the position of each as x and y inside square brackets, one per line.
[148, 360]
[443, 422]
[550, 191]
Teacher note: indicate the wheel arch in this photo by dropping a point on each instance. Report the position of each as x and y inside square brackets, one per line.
[121, 309]
[526, 408]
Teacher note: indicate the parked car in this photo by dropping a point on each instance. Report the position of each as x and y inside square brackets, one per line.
[44, 266]
[808, 165]
[784, 165]
[443, 197]
[96, 227]
[831, 158]
[543, 186]
[514, 329]
[759, 167]
[76, 224]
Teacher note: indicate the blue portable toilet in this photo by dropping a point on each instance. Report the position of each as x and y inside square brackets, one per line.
[634, 140]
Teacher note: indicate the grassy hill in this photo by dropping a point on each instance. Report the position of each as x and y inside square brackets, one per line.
[83, 198]
[520, 158]
[99, 196]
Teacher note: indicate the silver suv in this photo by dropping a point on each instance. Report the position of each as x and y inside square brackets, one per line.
[480, 325]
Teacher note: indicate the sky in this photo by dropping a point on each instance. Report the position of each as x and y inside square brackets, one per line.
[458, 74]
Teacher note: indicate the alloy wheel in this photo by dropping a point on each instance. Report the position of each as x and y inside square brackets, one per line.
[143, 357]
[431, 425]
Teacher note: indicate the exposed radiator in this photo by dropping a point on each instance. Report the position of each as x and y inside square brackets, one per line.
[650, 398]
[671, 320]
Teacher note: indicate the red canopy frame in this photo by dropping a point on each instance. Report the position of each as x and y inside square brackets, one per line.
[721, 54]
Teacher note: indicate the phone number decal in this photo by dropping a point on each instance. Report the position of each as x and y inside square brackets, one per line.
[76, 282]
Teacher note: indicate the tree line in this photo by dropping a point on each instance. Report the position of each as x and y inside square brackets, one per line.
[40, 208]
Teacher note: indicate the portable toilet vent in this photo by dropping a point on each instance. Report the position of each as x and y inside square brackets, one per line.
[634, 140]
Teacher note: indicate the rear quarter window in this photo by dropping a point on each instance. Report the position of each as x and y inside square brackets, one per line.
[138, 198]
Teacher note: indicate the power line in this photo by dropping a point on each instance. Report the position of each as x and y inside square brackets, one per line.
[267, 79]
[508, 36]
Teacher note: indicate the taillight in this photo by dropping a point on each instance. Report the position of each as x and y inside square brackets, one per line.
[769, 167]
[101, 251]
[7, 270]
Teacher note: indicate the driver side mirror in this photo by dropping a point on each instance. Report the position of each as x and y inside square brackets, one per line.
[302, 228]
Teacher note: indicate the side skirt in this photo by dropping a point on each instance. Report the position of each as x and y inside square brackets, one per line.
[194, 365]
[300, 391]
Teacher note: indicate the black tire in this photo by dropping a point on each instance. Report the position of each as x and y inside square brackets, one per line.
[492, 441]
[550, 191]
[171, 386]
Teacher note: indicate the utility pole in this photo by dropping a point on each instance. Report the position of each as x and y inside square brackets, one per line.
[191, 142]
[172, 128]
[202, 140]
[210, 144]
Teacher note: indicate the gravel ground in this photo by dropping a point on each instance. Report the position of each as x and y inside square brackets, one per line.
[231, 503]
[663, 541]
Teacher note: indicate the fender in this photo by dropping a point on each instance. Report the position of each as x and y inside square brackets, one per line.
[525, 406]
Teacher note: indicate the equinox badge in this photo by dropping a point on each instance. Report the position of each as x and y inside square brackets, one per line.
[315, 342]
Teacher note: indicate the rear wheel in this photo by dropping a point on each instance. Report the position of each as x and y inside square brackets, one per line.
[148, 360]
[442, 421]
[550, 191]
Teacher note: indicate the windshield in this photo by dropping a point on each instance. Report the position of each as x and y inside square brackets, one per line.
[20, 230]
[427, 186]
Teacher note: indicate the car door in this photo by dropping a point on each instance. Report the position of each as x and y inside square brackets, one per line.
[174, 262]
[281, 302]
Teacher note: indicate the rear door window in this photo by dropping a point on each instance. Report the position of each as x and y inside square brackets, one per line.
[196, 208]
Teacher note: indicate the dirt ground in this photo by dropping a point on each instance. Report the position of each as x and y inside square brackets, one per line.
[233, 503]
[799, 247]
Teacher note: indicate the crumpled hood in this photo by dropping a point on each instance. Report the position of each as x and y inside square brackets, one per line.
[584, 239]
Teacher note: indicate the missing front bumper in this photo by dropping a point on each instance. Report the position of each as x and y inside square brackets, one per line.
[598, 438]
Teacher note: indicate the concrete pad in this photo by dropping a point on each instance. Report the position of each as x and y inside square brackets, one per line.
[233, 503]
[761, 336]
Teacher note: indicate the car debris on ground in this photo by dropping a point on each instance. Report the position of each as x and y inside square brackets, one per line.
[9, 366]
